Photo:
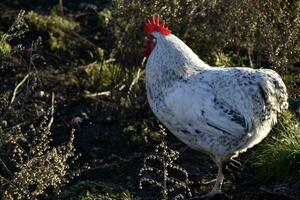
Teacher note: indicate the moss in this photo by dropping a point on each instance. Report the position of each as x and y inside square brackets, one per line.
[102, 74]
[100, 54]
[137, 131]
[104, 17]
[53, 22]
[5, 47]
[132, 133]
[57, 27]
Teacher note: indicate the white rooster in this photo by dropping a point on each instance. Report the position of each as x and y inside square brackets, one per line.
[219, 111]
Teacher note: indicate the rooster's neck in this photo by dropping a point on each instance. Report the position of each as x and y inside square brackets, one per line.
[171, 60]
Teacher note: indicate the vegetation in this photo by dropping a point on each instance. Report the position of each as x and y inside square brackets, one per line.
[278, 157]
[157, 172]
[67, 66]
[31, 165]
[90, 190]
[253, 33]
[57, 27]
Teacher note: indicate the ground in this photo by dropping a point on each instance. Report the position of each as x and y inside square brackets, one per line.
[116, 159]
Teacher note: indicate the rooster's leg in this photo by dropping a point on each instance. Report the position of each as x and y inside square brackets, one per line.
[219, 180]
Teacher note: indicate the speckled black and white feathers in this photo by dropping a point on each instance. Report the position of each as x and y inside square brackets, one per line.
[221, 111]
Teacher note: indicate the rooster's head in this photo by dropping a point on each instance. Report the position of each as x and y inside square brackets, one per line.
[151, 27]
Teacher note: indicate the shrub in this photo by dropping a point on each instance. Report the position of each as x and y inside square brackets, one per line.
[261, 33]
[31, 167]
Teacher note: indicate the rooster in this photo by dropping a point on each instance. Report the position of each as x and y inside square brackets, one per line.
[219, 111]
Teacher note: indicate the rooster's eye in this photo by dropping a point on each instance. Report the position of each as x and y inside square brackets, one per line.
[154, 40]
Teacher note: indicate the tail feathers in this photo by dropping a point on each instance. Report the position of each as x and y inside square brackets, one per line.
[275, 91]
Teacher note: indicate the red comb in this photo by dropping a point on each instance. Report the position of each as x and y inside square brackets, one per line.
[153, 25]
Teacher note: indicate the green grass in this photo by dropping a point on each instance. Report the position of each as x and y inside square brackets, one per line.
[278, 157]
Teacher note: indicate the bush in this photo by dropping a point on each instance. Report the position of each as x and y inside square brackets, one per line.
[31, 167]
[261, 33]
[31, 164]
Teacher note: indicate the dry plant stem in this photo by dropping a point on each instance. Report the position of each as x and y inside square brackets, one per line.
[5, 167]
[52, 111]
[3, 114]
[6, 180]
[61, 7]
[249, 52]
[17, 89]
[9, 107]
[135, 80]
[165, 191]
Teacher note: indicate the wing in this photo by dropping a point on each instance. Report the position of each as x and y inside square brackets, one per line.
[195, 106]
[224, 109]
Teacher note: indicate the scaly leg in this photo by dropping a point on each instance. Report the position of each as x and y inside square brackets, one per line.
[219, 181]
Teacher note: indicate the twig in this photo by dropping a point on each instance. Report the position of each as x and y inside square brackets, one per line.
[52, 111]
[93, 95]
[17, 88]
[61, 7]
[135, 80]
[249, 52]
[5, 167]
[3, 114]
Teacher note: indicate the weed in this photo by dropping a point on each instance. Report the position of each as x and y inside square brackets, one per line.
[160, 172]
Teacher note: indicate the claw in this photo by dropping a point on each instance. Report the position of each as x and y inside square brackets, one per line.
[235, 161]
